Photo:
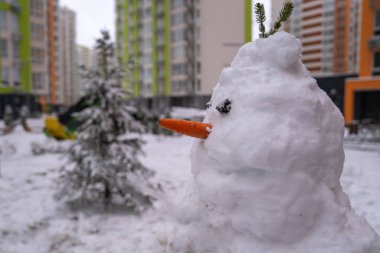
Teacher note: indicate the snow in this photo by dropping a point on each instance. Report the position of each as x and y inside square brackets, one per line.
[273, 186]
[187, 113]
[32, 221]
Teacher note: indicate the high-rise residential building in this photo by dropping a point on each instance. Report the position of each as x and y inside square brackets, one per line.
[68, 56]
[39, 47]
[179, 47]
[31, 59]
[324, 28]
[362, 94]
[313, 22]
[86, 57]
[15, 53]
[54, 96]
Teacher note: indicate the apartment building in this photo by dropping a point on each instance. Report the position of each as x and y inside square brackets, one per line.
[39, 43]
[31, 59]
[324, 27]
[362, 94]
[86, 57]
[15, 53]
[179, 47]
[68, 57]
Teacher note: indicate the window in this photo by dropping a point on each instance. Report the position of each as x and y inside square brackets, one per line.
[37, 80]
[3, 20]
[179, 69]
[147, 29]
[376, 61]
[377, 23]
[37, 55]
[36, 7]
[178, 52]
[178, 35]
[4, 75]
[16, 75]
[180, 85]
[37, 31]
[4, 48]
[178, 18]
[147, 58]
[147, 73]
[14, 23]
[15, 50]
[178, 3]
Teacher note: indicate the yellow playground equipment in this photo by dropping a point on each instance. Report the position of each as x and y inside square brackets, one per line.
[56, 130]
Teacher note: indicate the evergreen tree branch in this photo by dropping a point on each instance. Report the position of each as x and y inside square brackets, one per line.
[283, 16]
[260, 18]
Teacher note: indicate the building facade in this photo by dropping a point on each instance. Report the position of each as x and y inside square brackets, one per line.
[86, 57]
[68, 71]
[362, 94]
[179, 47]
[15, 54]
[328, 30]
[31, 49]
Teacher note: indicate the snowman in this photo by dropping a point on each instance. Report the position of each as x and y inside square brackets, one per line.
[267, 162]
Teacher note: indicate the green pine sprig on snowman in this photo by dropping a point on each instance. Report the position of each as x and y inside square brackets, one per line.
[283, 16]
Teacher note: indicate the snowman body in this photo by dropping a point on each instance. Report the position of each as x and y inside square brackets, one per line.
[266, 179]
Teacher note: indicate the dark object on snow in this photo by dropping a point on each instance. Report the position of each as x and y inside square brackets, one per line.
[225, 107]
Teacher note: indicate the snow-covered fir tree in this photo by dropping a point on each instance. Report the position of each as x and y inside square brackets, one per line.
[103, 163]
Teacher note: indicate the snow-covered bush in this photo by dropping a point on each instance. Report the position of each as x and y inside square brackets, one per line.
[103, 163]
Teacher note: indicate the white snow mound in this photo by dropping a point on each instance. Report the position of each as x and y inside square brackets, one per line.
[267, 177]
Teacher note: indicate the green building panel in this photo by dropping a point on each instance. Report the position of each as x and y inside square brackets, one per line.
[248, 20]
[125, 45]
[4, 7]
[167, 46]
[24, 45]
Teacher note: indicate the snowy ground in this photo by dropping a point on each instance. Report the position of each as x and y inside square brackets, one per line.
[32, 221]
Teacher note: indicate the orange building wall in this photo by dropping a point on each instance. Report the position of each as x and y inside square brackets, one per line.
[353, 86]
[365, 82]
[367, 26]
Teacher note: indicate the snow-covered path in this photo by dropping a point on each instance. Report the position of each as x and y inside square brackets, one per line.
[32, 221]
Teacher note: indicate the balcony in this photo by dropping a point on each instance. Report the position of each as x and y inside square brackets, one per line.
[374, 42]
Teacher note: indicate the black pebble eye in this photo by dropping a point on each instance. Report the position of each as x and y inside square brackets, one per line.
[208, 105]
[224, 107]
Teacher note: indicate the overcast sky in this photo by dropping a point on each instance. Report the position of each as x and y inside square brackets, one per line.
[94, 15]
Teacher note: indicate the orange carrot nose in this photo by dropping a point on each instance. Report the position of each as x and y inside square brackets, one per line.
[190, 128]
